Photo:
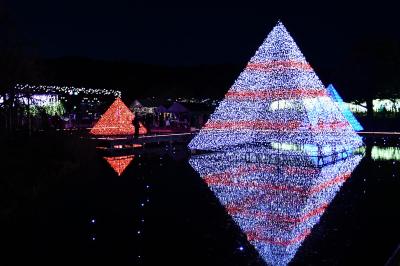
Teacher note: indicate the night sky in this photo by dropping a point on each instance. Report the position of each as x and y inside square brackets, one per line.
[210, 33]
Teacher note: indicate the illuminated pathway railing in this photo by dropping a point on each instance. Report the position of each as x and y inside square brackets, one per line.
[275, 204]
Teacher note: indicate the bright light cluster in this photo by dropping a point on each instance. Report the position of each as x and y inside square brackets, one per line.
[276, 204]
[344, 108]
[40, 100]
[277, 98]
[50, 103]
[117, 120]
[67, 90]
[385, 153]
[119, 163]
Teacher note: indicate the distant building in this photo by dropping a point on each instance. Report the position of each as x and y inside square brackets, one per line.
[196, 114]
[149, 106]
[70, 106]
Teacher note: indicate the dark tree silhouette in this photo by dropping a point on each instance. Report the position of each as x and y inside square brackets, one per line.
[371, 70]
[15, 67]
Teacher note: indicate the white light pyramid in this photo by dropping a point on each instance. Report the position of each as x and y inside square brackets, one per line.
[278, 98]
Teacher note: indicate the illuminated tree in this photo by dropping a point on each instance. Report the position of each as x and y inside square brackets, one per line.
[117, 120]
[277, 98]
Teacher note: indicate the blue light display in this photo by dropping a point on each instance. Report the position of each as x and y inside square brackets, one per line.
[344, 108]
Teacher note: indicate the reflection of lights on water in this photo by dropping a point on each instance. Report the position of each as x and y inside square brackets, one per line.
[275, 203]
[385, 153]
[119, 163]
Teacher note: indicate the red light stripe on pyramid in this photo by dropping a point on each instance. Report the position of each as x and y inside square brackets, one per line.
[260, 125]
[275, 94]
[213, 180]
[276, 65]
[278, 217]
[254, 236]
[272, 125]
[241, 171]
[320, 126]
[331, 182]
[297, 170]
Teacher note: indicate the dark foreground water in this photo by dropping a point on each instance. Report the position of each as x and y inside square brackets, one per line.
[153, 208]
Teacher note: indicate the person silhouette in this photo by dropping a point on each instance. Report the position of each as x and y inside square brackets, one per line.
[136, 125]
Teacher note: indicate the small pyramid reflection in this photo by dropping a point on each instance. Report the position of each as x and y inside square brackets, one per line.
[119, 163]
[274, 197]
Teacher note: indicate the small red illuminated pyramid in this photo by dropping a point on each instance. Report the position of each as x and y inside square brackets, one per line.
[119, 163]
[117, 120]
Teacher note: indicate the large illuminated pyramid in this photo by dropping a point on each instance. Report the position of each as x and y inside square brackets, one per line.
[117, 120]
[344, 108]
[277, 98]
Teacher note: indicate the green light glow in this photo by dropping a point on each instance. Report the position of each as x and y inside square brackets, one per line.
[56, 108]
[385, 153]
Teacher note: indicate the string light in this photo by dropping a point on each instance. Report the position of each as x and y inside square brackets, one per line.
[277, 98]
[344, 108]
[70, 90]
[117, 120]
[277, 203]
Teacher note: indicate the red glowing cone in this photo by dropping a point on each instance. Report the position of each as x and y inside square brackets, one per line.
[117, 120]
[119, 163]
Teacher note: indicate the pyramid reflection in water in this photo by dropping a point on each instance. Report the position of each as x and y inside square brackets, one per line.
[276, 203]
[119, 163]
